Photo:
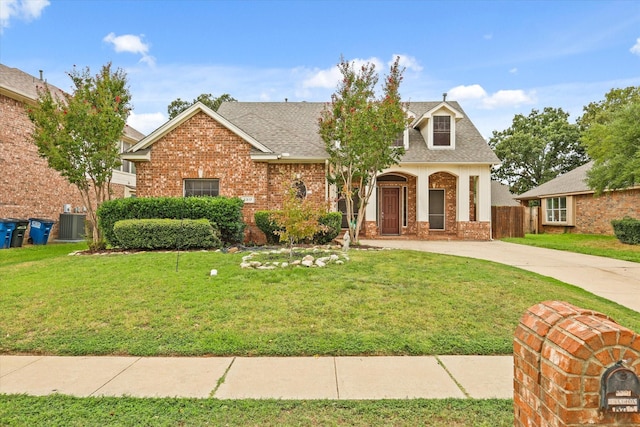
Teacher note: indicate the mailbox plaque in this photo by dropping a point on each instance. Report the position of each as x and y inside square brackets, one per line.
[620, 390]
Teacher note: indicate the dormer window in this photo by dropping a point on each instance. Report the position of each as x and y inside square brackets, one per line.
[442, 131]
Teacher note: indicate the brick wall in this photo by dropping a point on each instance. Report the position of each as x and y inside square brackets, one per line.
[594, 214]
[29, 188]
[560, 354]
[203, 148]
[448, 182]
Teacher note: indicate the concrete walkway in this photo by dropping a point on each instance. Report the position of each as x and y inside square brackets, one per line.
[615, 280]
[261, 377]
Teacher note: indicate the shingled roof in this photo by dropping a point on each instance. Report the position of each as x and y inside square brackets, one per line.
[292, 127]
[21, 86]
[573, 182]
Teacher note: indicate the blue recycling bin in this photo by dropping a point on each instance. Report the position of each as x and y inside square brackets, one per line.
[39, 230]
[6, 231]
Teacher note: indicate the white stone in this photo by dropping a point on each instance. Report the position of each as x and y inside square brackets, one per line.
[214, 272]
[307, 263]
[320, 263]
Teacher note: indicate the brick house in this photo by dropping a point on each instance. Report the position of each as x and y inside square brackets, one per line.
[568, 205]
[30, 188]
[440, 189]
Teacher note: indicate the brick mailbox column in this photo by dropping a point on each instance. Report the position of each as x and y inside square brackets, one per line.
[561, 354]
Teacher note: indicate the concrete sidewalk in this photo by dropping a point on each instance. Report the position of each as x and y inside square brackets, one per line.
[615, 280]
[400, 377]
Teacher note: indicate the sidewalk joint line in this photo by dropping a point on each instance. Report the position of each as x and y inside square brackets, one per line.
[467, 395]
[335, 374]
[222, 379]
[22, 367]
[116, 376]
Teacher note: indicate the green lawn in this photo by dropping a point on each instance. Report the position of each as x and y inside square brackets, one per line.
[106, 411]
[380, 303]
[591, 244]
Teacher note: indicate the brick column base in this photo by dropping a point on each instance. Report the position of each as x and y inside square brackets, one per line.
[560, 354]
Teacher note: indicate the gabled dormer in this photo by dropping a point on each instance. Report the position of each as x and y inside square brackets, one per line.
[438, 126]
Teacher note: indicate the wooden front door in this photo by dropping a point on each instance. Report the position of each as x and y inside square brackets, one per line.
[390, 211]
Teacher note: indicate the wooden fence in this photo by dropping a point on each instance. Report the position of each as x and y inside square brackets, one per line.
[507, 221]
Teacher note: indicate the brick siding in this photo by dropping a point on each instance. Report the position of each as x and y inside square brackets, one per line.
[560, 354]
[203, 148]
[593, 214]
[29, 187]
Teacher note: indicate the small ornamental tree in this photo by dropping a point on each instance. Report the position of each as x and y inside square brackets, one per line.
[360, 133]
[78, 134]
[298, 218]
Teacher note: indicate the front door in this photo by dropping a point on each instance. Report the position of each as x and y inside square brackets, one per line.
[390, 211]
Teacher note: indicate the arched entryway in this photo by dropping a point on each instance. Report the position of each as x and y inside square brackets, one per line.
[392, 204]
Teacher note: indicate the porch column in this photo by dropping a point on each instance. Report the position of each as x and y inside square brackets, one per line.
[463, 196]
[484, 195]
[372, 207]
[422, 195]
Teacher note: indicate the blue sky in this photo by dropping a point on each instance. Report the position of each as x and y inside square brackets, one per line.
[497, 58]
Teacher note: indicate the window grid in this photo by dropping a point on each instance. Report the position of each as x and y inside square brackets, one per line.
[557, 209]
[441, 130]
[201, 187]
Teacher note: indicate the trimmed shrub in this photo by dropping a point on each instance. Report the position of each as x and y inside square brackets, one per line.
[166, 234]
[266, 224]
[332, 222]
[223, 213]
[627, 230]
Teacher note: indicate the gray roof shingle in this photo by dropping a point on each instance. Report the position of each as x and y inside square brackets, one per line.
[292, 127]
[574, 181]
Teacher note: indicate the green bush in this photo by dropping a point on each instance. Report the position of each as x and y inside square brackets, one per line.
[223, 213]
[166, 234]
[627, 230]
[332, 222]
[266, 224]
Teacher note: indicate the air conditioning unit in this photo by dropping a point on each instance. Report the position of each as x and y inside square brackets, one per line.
[71, 226]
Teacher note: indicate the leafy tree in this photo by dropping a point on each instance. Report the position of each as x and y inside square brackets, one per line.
[359, 132]
[298, 218]
[78, 134]
[537, 148]
[598, 112]
[614, 146]
[178, 106]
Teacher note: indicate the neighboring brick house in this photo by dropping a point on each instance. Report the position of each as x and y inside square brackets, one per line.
[30, 188]
[440, 189]
[568, 205]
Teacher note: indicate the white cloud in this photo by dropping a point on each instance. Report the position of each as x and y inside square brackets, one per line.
[499, 99]
[513, 70]
[26, 10]
[636, 48]
[146, 123]
[508, 98]
[462, 93]
[488, 36]
[408, 62]
[132, 44]
[329, 78]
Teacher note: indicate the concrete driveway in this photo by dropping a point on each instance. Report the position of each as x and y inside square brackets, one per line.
[615, 280]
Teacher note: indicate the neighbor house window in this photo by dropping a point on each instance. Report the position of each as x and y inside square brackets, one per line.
[126, 165]
[201, 187]
[441, 131]
[556, 210]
